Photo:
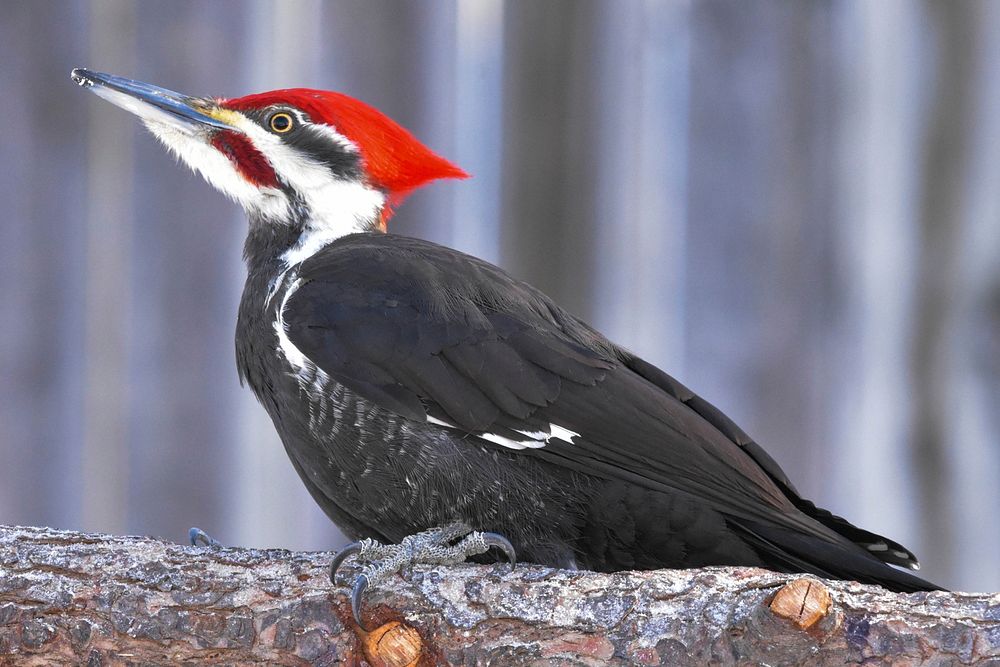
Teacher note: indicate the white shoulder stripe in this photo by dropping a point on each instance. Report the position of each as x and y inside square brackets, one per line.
[292, 353]
[535, 439]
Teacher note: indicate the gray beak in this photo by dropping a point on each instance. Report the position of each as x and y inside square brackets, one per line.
[151, 103]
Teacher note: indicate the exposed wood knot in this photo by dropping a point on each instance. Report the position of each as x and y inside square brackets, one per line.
[803, 601]
[393, 644]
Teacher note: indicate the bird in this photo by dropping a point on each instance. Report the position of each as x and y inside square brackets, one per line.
[428, 398]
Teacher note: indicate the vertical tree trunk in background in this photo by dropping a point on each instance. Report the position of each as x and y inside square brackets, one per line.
[975, 447]
[758, 302]
[184, 243]
[640, 269]
[550, 159]
[881, 92]
[43, 248]
[943, 217]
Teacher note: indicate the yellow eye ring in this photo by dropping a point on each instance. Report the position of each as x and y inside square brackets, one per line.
[281, 122]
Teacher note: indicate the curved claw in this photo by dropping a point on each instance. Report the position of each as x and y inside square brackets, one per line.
[199, 538]
[503, 544]
[351, 549]
[360, 584]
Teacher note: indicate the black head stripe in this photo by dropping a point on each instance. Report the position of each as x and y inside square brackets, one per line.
[324, 149]
[313, 142]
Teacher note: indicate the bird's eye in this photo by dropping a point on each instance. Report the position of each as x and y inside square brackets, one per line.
[281, 122]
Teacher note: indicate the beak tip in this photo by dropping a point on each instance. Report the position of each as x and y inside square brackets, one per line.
[81, 77]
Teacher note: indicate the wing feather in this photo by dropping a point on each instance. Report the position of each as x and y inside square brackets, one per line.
[422, 330]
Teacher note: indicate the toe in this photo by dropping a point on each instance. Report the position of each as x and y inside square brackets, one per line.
[199, 538]
[350, 550]
[503, 544]
[357, 594]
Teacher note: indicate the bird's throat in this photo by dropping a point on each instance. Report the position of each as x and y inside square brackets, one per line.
[315, 222]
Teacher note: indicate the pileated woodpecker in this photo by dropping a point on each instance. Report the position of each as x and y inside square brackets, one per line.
[415, 387]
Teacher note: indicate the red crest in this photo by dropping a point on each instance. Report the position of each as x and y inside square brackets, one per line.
[394, 159]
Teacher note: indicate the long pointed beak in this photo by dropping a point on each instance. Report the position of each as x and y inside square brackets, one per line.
[151, 103]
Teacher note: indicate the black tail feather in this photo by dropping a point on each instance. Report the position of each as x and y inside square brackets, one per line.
[880, 547]
[790, 551]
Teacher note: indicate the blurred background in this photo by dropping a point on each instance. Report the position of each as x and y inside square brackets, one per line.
[793, 207]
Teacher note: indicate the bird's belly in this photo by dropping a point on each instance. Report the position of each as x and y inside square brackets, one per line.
[379, 475]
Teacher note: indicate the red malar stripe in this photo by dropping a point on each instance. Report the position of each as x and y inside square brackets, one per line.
[248, 160]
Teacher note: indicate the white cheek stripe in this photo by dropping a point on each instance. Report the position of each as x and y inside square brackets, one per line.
[536, 439]
[333, 135]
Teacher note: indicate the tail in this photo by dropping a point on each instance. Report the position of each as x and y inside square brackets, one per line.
[792, 551]
[824, 544]
[841, 551]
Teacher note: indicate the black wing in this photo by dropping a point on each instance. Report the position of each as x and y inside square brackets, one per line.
[426, 331]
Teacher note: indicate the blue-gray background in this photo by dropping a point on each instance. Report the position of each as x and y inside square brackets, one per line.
[793, 207]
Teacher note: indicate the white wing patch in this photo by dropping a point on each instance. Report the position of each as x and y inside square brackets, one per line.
[534, 439]
[531, 443]
[564, 434]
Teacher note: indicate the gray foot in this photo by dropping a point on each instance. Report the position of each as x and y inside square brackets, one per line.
[199, 538]
[449, 545]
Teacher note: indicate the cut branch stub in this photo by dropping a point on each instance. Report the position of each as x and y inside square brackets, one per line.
[394, 644]
[804, 601]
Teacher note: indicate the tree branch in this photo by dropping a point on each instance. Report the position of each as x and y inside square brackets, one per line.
[73, 598]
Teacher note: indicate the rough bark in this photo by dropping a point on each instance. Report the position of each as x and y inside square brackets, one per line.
[72, 598]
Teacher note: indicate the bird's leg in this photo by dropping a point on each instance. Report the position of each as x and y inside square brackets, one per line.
[199, 538]
[448, 545]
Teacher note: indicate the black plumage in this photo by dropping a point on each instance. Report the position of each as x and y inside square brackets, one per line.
[422, 369]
